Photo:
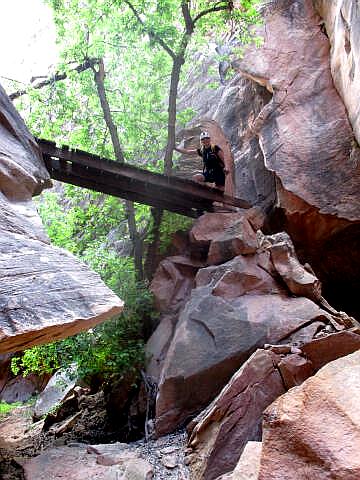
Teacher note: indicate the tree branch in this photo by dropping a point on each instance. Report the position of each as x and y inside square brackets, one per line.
[218, 7]
[89, 63]
[147, 30]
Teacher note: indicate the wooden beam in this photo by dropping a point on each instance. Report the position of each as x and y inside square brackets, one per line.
[87, 181]
[192, 190]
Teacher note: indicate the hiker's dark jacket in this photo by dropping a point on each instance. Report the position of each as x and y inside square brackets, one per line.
[213, 167]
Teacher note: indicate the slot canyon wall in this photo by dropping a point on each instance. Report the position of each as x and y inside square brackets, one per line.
[290, 117]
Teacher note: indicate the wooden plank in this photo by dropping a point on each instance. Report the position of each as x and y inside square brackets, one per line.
[128, 195]
[145, 189]
[134, 185]
[131, 172]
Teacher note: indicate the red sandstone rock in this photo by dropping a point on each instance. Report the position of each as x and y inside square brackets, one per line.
[249, 464]
[342, 26]
[299, 281]
[237, 239]
[213, 338]
[323, 350]
[221, 432]
[313, 134]
[211, 225]
[242, 275]
[305, 133]
[313, 431]
[173, 282]
[295, 369]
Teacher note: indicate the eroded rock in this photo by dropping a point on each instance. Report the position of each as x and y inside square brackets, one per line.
[213, 338]
[74, 463]
[237, 409]
[249, 464]
[236, 307]
[341, 19]
[313, 431]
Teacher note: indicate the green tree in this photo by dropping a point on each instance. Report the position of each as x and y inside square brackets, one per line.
[128, 114]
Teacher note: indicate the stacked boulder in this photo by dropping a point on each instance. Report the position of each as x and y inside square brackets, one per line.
[249, 290]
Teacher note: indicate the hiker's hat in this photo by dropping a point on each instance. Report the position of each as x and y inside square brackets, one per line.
[204, 135]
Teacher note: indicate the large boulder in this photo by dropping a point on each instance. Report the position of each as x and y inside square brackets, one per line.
[237, 409]
[46, 293]
[220, 327]
[313, 431]
[171, 286]
[236, 307]
[218, 435]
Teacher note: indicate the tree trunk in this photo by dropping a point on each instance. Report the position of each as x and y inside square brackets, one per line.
[153, 248]
[174, 83]
[136, 241]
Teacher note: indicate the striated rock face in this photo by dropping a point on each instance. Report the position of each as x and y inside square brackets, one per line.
[342, 23]
[313, 431]
[304, 131]
[46, 294]
[218, 435]
[307, 141]
[235, 308]
[289, 132]
[234, 417]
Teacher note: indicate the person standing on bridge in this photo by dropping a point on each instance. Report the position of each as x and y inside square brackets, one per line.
[214, 170]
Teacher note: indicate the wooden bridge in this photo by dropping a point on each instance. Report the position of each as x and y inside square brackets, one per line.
[103, 175]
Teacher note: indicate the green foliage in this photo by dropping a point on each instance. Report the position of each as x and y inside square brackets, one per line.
[116, 346]
[113, 347]
[170, 224]
[5, 408]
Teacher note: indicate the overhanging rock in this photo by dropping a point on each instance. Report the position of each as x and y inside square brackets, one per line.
[46, 294]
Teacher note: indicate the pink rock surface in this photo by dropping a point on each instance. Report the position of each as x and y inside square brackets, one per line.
[173, 282]
[313, 431]
[295, 369]
[214, 337]
[238, 239]
[74, 463]
[304, 131]
[320, 351]
[249, 464]
[220, 433]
